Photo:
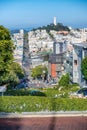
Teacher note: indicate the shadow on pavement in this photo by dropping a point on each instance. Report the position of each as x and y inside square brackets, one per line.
[53, 119]
[10, 124]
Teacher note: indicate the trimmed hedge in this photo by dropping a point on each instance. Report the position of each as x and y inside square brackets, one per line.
[24, 92]
[35, 104]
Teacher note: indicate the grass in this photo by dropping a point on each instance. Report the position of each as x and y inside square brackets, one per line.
[35, 104]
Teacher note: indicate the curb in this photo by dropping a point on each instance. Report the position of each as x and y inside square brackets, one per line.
[43, 114]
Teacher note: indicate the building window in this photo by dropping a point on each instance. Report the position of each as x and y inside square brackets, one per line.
[75, 73]
[75, 62]
[67, 62]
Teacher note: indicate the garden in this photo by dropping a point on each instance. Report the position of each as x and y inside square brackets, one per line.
[43, 99]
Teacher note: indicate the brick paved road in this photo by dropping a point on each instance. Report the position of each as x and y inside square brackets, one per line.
[44, 123]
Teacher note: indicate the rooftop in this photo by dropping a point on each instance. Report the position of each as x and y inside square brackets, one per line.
[83, 44]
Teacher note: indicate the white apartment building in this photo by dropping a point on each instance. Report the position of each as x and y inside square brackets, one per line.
[73, 63]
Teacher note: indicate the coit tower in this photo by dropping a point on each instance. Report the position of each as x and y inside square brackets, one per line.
[55, 23]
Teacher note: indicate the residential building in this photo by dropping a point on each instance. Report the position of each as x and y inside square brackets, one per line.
[59, 47]
[56, 60]
[73, 63]
[36, 61]
[55, 65]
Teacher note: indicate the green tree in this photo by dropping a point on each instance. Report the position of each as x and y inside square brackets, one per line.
[16, 73]
[18, 70]
[39, 71]
[9, 70]
[4, 33]
[6, 53]
[64, 81]
[58, 27]
[84, 67]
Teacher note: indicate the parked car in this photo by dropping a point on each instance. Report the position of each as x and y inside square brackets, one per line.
[36, 93]
[80, 93]
[83, 91]
[22, 85]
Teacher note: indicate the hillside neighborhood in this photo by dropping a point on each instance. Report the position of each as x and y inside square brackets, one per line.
[43, 65]
[66, 49]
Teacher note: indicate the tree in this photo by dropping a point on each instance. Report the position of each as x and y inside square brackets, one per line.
[39, 71]
[84, 67]
[6, 53]
[4, 33]
[64, 81]
[58, 27]
[9, 70]
[16, 73]
[16, 68]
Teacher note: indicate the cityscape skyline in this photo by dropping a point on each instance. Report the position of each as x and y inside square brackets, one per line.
[34, 13]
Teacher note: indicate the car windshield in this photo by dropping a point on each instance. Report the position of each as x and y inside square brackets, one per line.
[82, 90]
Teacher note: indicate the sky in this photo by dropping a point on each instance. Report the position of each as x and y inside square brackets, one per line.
[35, 13]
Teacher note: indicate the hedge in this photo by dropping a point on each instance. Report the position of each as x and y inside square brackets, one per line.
[36, 104]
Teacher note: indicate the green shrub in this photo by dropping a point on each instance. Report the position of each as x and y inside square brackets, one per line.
[20, 92]
[39, 71]
[24, 92]
[64, 81]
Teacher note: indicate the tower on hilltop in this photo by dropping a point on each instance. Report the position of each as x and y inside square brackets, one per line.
[55, 23]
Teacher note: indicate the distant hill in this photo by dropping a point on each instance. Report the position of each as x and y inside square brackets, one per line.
[17, 30]
[58, 27]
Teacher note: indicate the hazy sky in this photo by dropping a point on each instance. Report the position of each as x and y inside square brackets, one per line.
[31, 13]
